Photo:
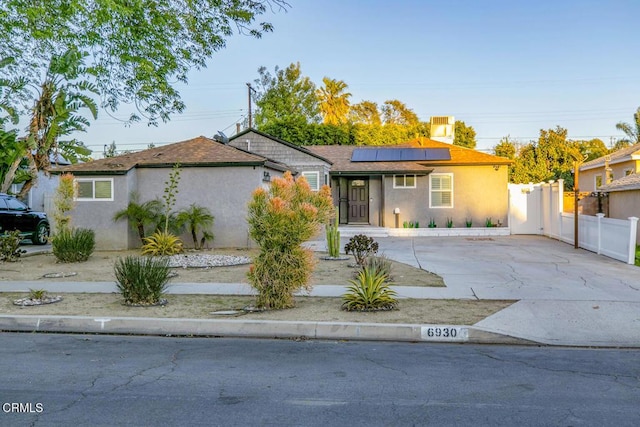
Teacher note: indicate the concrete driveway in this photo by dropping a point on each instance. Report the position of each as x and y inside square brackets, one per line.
[566, 296]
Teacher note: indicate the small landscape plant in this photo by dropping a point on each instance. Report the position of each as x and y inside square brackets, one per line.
[449, 222]
[637, 255]
[361, 246]
[197, 219]
[162, 243]
[468, 222]
[489, 223]
[37, 293]
[10, 246]
[380, 264]
[432, 223]
[64, 201]
[142, 280]
[73, 245]
[333, 236]
[370, 291]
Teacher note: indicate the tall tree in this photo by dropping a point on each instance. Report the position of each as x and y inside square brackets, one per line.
[365, 112]
[334, 101]
[552, 157]
[55, 114]
[397, 113]
[135, 52]
[287, 96]
[138, 50]
[464, 136]
[506, 148]
[632, 130]
[592, 149]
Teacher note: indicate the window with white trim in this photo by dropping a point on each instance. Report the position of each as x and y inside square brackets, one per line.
[441, 190]
[628, 171]
[404, 181]
[313, 178]
[94, 189]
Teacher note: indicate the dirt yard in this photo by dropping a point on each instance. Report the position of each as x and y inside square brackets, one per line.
[100, 268]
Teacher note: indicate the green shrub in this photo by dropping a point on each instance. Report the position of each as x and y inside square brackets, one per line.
[468, 222]
[361, 246]
[380, 264]
[73, 245]
[142, 280]
[432, 223]
[162, 243]
[280, 220]
[10, 246]
[369, 292]
[449, 222]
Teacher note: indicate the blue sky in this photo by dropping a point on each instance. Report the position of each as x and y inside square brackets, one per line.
[503, 67]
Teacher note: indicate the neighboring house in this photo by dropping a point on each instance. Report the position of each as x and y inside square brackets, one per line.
[40, 196]
[621, 163]
[624, 198]
[422, 180]
[214, 175]
[312, 166]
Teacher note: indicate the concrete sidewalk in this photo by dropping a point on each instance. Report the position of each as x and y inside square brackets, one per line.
[565, 297]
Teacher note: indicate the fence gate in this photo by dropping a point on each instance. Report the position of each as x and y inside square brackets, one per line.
[525, 209]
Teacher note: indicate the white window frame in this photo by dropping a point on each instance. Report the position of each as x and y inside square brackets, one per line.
[94, 199]
[415, 181]
[306, 174]
[431, 190]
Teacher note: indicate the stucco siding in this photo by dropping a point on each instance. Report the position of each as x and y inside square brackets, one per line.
[98, 214]
[225, 191]
[479, 193]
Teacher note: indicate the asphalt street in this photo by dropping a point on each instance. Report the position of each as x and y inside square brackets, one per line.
[102, 380]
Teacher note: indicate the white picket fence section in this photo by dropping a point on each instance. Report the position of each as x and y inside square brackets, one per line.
[540, 207]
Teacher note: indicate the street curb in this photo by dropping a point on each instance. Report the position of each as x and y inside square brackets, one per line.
[255, 329]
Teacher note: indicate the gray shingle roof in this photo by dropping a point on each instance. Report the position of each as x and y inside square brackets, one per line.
[629, 182]
[192, 152]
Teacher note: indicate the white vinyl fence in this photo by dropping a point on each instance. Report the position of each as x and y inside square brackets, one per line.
[539, 207]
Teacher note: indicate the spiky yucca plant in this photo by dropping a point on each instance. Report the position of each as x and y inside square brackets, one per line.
[162, 243]
[73, 245]
[142, 280]
[369, 292]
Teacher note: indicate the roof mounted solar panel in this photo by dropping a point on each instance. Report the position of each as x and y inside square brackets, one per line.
[399, 154]
[364, 155]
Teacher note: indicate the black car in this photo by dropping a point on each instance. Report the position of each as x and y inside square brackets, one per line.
[15, 215]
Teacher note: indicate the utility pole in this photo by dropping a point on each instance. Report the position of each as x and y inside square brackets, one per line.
[249, 89]
[576, 198]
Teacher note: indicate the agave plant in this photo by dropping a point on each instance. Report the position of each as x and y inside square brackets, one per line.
[369, 292]
[162, 243]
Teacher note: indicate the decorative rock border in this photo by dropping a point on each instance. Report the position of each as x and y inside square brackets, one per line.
[30, 302]
[206, 260]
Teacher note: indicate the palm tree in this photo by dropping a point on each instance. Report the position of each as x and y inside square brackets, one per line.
[140, 215]
[334, 101]
[55, 114]
[197, 218]
[632, 130]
